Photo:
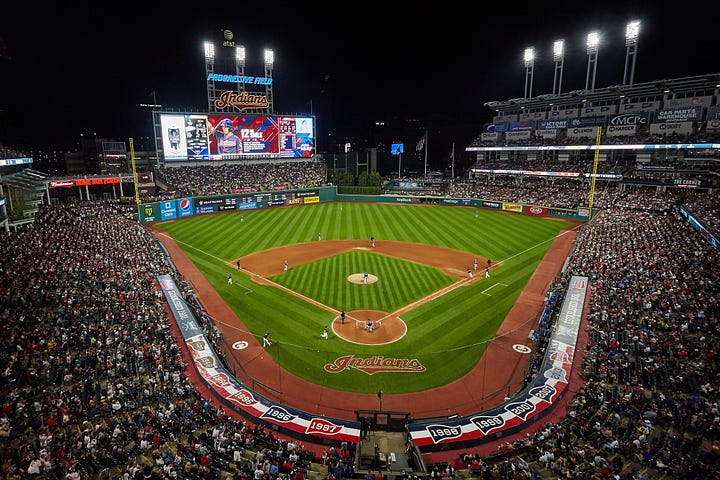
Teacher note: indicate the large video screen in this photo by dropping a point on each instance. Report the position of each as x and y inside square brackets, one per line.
[194, 137]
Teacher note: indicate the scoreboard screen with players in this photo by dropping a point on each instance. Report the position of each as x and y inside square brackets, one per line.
[195, 137]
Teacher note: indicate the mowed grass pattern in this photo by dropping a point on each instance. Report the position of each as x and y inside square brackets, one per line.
[399, 282]
[447, 335]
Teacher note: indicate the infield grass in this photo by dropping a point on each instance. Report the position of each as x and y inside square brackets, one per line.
[448, 335]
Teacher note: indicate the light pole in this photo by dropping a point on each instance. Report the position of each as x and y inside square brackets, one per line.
[269, 61]
[632, 31]
[559, 59]
[240, 66]
[209, 69]
[593, 40]
[529, 59]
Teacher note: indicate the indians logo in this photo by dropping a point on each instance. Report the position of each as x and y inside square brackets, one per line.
[375, 364]
[278, 414]
[441, 433]
[487, 424]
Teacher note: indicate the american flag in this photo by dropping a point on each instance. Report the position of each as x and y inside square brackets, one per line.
[421, 144]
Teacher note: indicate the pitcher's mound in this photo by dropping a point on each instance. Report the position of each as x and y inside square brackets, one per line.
[360, 278]
[386, 328]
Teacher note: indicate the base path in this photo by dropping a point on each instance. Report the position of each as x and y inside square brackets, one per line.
[498, 372]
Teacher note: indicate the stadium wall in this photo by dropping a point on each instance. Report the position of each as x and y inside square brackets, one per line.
[188, 206]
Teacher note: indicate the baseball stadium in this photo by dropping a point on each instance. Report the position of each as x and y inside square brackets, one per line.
[230, 309]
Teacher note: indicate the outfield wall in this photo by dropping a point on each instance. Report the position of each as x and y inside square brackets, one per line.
[188, 206]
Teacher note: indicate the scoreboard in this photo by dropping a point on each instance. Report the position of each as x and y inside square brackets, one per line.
[197, 137]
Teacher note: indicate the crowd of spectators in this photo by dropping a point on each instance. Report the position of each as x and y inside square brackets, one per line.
[94, 382]
[240, 177]
[650, 401]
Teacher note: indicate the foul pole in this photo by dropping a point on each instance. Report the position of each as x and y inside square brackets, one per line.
[594, 171]
[135, 180]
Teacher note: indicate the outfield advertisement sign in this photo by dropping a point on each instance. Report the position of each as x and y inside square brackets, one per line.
[234, 393]
[531, 404]
[185, 207]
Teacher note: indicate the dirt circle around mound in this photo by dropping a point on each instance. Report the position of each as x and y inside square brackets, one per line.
[387, 328]
[359, 278]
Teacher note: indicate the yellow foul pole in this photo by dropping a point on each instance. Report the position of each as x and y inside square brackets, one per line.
[135, 180]
[594, 171]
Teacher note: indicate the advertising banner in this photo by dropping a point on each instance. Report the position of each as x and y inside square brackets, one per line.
[185, 207]
[713, 113]
[587, 122]
[713, 125]
[552, 124]
[489, 136]
[488, 204]
[681, 128]
[546, 133]
[561, 114]
[599, 111]
[512, 207]
[523, 135]
[621, 130]
[168, 210]
[590, 132]
[520, 126]
[629, 119]
[535, 210]
[640, 107]
[532, 116]
[672, 103]
[688, 114]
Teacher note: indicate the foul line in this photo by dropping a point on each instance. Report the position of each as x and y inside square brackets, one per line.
[492, 286]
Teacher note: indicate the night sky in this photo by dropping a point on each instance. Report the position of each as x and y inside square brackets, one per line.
[71, 71]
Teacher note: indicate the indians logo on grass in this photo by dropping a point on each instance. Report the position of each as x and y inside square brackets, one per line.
[375, 364]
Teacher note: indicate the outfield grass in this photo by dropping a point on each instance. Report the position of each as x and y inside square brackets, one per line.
[447, 335]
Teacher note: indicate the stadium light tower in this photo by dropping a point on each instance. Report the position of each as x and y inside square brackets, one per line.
[269, 61]
[593, 40]
[529, 58]
[559, 58]
[632, 31]
[210, 69]
[240, 66]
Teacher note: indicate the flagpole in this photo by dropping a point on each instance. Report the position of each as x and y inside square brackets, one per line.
[426, 149]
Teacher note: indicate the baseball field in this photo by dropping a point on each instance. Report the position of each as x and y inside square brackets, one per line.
[434, 319]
